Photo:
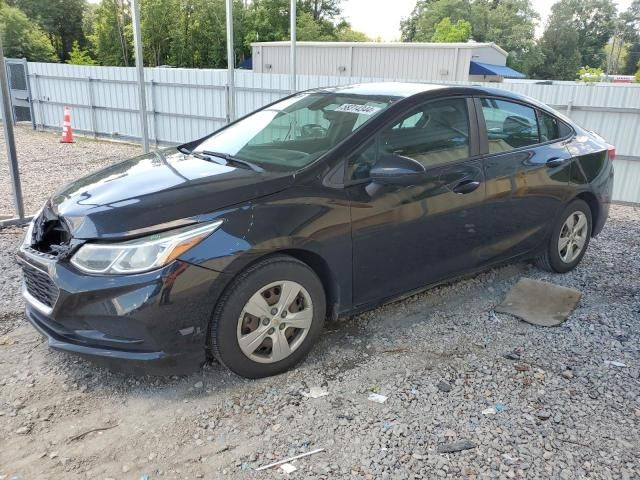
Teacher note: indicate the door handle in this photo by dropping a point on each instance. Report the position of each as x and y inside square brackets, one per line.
[555, 162]
[467, 186]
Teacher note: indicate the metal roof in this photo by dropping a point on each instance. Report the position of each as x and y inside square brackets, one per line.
[423, 45]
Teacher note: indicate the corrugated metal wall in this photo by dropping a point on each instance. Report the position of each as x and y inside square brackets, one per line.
[384, 61]
[185, 104]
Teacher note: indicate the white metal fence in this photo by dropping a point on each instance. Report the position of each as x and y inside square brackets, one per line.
[186, 103]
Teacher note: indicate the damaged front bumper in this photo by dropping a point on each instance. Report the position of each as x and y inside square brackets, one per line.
[154, 322]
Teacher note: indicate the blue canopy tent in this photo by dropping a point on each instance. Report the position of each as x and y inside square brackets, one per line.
[490, 70]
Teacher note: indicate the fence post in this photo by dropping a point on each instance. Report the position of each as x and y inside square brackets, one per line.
[227, 99]
[569, 107]
[142, 96]
[231, 61]
[36, 98]
[7, 122]
[92, 105]
[153, 112]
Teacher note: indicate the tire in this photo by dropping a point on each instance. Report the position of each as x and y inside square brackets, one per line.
[562, 260]
[250, 336]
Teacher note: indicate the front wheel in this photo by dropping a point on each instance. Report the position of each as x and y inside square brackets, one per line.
[569, 239]
[269, 318]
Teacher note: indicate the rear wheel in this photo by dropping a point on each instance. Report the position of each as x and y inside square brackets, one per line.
[569, 239]
[269, 318]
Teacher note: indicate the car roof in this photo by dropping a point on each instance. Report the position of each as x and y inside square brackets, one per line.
[410, 89]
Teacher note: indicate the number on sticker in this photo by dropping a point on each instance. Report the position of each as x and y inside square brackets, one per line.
[353, 108]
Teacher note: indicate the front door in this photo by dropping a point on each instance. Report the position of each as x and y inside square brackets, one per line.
[405, 237]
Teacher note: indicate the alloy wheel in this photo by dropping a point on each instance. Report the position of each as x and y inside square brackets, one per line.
[275, 321]
[573, 236]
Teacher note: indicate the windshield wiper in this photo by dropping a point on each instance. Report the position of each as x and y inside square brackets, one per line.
[210, 156]
[230, 159]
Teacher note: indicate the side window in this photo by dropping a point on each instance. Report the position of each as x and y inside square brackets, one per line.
[362, 160]
[549, 129]
[552, 128]
[509, 125]
[433, 134]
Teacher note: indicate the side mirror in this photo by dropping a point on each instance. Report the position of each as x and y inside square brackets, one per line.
[395, 169]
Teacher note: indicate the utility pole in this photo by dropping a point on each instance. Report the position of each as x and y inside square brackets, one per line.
[231, 61]
[142, 98]
[293, 46]
[7, 122]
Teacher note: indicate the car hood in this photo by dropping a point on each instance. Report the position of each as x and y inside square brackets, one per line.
[156, 191]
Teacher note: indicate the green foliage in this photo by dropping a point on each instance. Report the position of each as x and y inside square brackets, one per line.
[61, 19]
[344, 33]
[576, 35]
[268, 20]
[560, 53]
[421, 24]
[158, 30]
[508, 23]
[638, 76]
[633, 58]
[590, 74]
[445, 31]
[616, 55]
[22, 39]
[197, 36]
[594, 21]
[112, 36]
[631, 28]
[80, 56]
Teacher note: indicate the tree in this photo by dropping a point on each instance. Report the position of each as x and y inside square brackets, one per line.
[158, 19]
[22, 39]
[616, 52]
[593, 20]
[508, 23]
[638, 76]
[60, 19]
[421, 24]
[80, 56]
[344, 33]
[198, 34]
[559, 49]
[445, 31]
[633, 58]
[322, 9]
[631, 20]
[112, 33]
[268, 20]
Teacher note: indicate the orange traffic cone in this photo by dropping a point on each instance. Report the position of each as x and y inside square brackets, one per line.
[67, 131]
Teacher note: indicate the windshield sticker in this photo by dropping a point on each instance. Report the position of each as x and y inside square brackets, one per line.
[361, 109]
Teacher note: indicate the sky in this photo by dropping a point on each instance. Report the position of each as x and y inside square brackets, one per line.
[381, 18]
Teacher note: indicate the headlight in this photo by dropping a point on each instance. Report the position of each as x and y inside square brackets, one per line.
[141, 254]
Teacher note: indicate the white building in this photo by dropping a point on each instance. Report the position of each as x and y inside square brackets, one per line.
[399, 61]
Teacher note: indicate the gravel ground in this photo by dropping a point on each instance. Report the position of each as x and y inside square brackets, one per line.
[441, 358]
[46, 164]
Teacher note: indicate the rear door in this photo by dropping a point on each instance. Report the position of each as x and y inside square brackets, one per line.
[405, 237]
[527, 168]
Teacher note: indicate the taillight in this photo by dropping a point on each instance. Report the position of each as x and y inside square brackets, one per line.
[612, 153]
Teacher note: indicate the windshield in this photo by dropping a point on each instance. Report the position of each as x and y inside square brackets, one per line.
[293, 133]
